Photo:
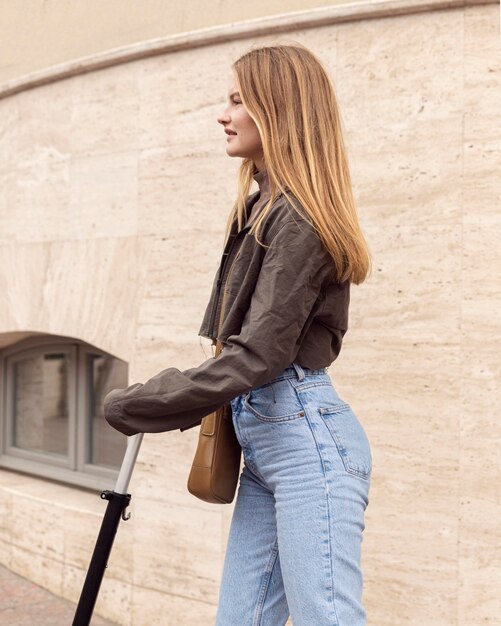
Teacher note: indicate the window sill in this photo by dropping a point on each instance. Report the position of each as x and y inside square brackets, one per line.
[62, 478]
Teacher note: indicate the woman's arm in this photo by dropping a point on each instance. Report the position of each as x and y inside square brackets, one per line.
[294, 269]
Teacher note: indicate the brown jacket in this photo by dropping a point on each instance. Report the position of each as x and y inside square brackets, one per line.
[282, 305]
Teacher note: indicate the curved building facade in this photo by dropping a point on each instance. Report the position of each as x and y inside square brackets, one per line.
[115, 188]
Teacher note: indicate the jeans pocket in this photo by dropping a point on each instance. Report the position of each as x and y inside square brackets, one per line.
[350, 438]
[275, 402]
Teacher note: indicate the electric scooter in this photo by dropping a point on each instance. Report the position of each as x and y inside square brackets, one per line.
[118, 501]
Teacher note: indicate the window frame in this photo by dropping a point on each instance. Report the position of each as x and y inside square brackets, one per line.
[73, 468]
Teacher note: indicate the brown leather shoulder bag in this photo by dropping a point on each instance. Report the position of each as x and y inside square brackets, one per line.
[216, 464]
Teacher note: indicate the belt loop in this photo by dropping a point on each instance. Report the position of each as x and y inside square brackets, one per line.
[299, 371]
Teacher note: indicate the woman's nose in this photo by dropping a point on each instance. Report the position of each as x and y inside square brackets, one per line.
[223, 118]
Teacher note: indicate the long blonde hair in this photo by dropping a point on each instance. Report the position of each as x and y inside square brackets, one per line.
[288, 94]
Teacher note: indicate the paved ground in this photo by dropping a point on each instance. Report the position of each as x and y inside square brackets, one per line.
[24, 604]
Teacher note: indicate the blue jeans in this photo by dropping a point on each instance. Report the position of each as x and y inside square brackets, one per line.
[294, 545]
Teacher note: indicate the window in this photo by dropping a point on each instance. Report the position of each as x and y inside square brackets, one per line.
[52, 421]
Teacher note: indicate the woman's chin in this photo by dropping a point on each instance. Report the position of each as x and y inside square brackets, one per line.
[230, 151]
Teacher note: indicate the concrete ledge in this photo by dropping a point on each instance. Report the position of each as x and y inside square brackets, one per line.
[311, 18]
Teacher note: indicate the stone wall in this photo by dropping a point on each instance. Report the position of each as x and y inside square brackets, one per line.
[115, 192]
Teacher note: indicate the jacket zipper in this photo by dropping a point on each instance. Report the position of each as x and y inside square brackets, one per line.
[225, 291]
[216, 299]
[219, 282]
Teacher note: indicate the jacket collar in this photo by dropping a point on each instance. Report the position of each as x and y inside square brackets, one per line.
[263, 193]
[260, 197]
[261, 178]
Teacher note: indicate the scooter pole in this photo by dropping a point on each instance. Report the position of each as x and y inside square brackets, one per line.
[118, 501]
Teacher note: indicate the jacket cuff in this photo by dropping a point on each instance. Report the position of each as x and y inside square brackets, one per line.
[115, 416]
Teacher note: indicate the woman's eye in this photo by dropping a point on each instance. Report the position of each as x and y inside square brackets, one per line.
[236, 102]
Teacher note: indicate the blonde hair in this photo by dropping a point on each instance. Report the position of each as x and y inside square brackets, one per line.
[287, 92]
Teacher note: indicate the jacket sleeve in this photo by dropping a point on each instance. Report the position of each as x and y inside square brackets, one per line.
[290, 280]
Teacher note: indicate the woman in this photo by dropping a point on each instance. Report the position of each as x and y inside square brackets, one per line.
[279, 305]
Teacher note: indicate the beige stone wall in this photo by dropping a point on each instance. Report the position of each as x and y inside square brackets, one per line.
[115, 191]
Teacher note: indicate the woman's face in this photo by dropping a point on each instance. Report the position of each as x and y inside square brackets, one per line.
[244, 139]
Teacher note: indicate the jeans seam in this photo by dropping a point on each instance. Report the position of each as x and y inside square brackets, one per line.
[303, 385]
[327, 505]
[265, 584]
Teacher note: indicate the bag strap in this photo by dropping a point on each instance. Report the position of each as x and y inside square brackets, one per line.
[219, 345]
[208, 426]
[218, 348]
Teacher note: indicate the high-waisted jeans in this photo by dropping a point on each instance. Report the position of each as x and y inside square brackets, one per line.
[294, 545]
